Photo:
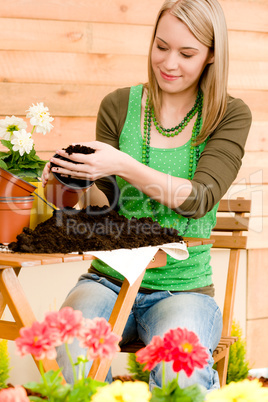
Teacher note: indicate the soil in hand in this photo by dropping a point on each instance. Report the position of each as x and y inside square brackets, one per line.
[79, 149]
[91, 229]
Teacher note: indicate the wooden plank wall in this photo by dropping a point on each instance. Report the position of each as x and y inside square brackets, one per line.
[69, 54]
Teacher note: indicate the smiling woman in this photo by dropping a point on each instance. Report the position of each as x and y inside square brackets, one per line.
[167, 149]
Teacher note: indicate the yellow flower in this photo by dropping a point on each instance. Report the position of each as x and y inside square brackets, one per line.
[242, 391]
[119, 391]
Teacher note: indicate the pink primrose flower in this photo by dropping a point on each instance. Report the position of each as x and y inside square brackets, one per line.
[16, 394]
[67, 324]
[185, 350]
[152, 354]
[38, 340]
[98, 337]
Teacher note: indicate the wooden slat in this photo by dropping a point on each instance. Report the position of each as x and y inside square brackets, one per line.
[9, 330]
[96, 69]
[129, 12]
[248, 15]
[84, 100]
[72, 68]
[133, 347]
[245, 43]
[258, 193]
[195, 241]
[228, 224]
[256, 100]
[62, 100]
[248, 75]
[74, 37]
[66, 131]
[40, 259]
[257, 139]
[85, 37]
[80, 10]
[254, 167]
[227, 205]
[28, 260]
[229, 242]
[19, 261]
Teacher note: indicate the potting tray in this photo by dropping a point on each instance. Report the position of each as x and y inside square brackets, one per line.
[12, 294]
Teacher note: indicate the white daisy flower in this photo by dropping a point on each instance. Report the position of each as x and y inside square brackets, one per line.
[40, 118]
[10, 124]
[22, 142]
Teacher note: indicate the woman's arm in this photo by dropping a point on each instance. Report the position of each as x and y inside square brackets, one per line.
[220, 161]
[217, 168]
[108, 161]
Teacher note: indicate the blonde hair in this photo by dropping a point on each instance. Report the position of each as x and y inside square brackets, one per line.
[206, 21]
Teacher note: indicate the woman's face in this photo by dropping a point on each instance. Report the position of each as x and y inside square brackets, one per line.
[178, 58]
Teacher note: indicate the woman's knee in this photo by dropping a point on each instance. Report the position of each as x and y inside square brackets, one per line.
[92, 298]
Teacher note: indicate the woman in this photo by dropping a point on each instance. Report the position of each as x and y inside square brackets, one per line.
[174, 145]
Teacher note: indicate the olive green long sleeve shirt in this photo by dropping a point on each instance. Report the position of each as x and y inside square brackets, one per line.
[218, 165]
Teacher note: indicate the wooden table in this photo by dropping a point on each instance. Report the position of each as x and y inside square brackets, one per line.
[12, 294]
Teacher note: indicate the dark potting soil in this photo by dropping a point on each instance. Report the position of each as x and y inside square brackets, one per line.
[91, 229]
[79, 149]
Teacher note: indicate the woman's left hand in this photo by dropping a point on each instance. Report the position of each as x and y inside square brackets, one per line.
[105, 161]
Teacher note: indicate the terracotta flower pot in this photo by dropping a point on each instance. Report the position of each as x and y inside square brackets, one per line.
[13, 186]
[69, 181]
[65, 191]
[62, 195]
[14, 216]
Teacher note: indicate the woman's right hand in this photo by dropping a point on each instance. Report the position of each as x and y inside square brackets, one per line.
[45, 174]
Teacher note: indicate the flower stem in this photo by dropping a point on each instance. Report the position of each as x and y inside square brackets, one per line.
[33, 130]
[71, 360]
[163, 376]
[41, 369]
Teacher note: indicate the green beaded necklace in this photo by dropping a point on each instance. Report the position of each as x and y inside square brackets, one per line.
[171, 132]
[194, 150]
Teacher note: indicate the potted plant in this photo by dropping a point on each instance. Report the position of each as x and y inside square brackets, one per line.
[179, 346]
[21, 159]
[20, 172]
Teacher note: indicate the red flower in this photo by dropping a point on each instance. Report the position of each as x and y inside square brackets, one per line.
[152, 354]
[16, 394]
[185, 350]
[98, 337]
[66, 324]
[39, 340]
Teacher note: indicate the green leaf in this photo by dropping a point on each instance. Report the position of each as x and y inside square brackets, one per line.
[4, 155]
[26, 172]
[36, 398]
[136, 368]
[7, 144]
[173, 393]
[195, 393]
[3, 165]
[52, 387]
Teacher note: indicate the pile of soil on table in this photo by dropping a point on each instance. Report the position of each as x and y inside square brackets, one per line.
[92, 229]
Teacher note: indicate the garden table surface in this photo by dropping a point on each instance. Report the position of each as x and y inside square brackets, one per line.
[12, 294]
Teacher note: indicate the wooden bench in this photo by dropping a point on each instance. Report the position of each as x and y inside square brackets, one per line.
[231, 223]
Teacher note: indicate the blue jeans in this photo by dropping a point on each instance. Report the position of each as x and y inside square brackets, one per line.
[152, 314]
